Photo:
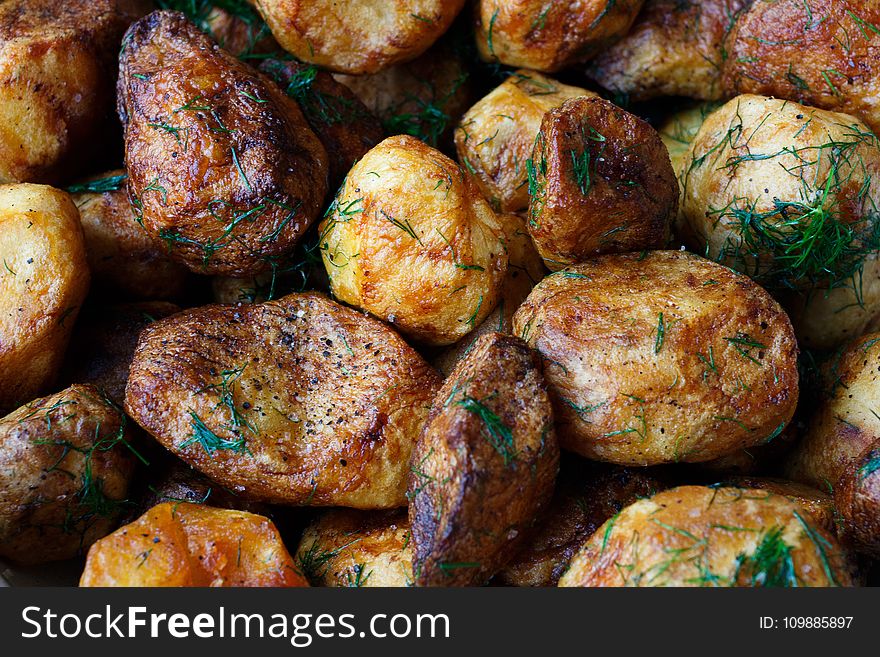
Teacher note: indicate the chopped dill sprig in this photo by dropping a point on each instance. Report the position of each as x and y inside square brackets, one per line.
[210, 441]
[100, 186]
[744, 343]
[770, 565]
[495, 431]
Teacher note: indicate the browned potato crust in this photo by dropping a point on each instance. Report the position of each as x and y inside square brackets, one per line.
[484, 467]
[410, 240]
[857, 496]
[251, 289]
[222, 165]
[346, 548]
[586, 496]
[181, 544]
[675, 48]
[698, 536]
[661, 357]
[123, 259]
[821, 53]
[234, 24]
[57, 66]
[550, 36]
[65, 466]
[296, 401]
[600, 181]
[43, 281]
[496, 136]
[817, 503]
[361, 36]
[103, 344]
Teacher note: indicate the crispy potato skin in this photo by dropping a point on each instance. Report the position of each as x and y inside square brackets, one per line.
[44, 280]
[345, 548]
[346, 127]
[327, 403]
[484, 467]
[122, 257]
[625, 394]
[586, 496]
[844, 425]
[182, 544]
[674, 48]
[603, 183]
[822, 53]
[365, 36]
[64, 473]
[410, 240]
[103, 344]
[857, 497]
[818, 504]
[528, 33]
[240, 33]
[756, 155]
[496, 136]
[222, 165]
[688, 536]
[57, 66]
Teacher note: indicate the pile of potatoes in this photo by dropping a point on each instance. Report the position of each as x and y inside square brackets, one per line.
[436, 293]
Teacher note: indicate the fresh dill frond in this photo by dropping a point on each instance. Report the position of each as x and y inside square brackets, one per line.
[770, 565]
[210, 441]
[100, 186]
[496, 432]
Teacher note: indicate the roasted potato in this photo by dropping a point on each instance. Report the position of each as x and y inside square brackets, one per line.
[364, 36]
[297, 401]
[818, 504]
[65, 465]
[234, 24]
[550, 36]
[410, 239]
[495, 138]
[103, 344]
[357, 549]
[820, 53]
[783, 192]
[222, 166]
[661, 357]
[182, 544]
[587, 495]
[699, 536]
[57, 66]
[252, 289]
[485, 466]
[123, 259]
[857, 497]
[600, 181]
[679, 131]
[44, 280]
[675, 48]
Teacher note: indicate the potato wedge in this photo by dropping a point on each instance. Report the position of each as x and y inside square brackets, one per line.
[600, 181]
[699, 536]
[661, 357]
[65, 466]
[182, 544]
[297, 401]
[222, 166]
[484, 467]
[857, 498]
[43, 281]
[410, 240]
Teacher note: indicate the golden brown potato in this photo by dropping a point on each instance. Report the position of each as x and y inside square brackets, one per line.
[363, 36]
[548, 36]
[820, 53]
[252, 289]
[182, 544]
[43, 282]
[485, 466]
[674, 48]
[346, 548]
[698, 536]
[496, 136]
[296, 401]
[410, 239]
[234, 24]
[846, 424]
[65, 466]
[345, 126]
[783, 192]
[818, 504]
[587, 494]
[679, 131]
[103, 344]
[600, 181]
[123, 259]
[57, 67]
[661, 357]
[222, 166]
[857, 497]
